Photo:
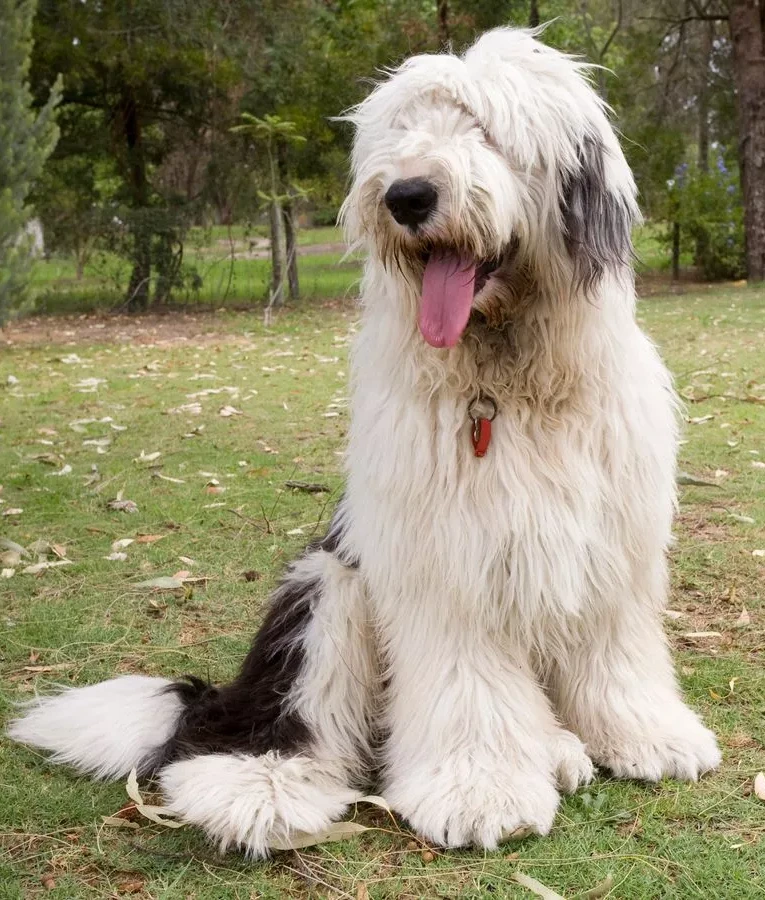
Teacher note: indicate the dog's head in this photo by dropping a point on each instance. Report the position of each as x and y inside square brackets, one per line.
[474, 174]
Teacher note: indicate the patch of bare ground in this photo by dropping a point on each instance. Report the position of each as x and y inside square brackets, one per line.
[168, 328]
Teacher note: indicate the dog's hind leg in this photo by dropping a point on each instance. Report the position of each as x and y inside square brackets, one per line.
[284, 748]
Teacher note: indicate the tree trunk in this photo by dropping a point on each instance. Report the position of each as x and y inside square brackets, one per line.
[443, 23]
[702, 93]
[676, 251]
[747, 28]
[277, 255]
[138, 288]
[534, 17]
[290, 229]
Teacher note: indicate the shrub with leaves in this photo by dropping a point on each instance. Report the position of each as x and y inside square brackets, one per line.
[708, 208]
[27, 137]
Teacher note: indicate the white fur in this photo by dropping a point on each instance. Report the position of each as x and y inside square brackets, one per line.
[509, 605]
[105, 729]
[254, 801]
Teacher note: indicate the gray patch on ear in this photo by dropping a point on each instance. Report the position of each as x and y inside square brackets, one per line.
[598, 223]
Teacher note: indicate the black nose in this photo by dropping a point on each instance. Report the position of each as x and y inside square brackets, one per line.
[411, 201]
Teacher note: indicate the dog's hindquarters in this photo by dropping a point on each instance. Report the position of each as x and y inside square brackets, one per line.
[280, 749]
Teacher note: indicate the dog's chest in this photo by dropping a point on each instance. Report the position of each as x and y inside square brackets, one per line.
[522, 524]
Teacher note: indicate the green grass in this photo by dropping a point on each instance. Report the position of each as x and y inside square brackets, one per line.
[222, 280]
[84, 622]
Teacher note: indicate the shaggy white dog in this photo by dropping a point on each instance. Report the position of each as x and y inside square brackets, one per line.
[483, 620]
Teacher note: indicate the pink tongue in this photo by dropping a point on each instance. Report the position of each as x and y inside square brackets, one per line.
[447, 296]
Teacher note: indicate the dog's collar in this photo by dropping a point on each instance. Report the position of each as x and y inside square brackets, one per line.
[482, 410]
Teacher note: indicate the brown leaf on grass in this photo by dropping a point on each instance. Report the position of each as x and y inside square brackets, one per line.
[307, 487]
[251, 575]
[362, 892]
[58, 550]
[117, 822]
[744, 619]
[50, 459]
[130, 887]
[149, 538]
[38, 670]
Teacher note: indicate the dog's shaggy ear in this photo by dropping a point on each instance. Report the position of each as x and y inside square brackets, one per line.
[598, 222]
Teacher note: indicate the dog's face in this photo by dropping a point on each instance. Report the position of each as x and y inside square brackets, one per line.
[477, 175]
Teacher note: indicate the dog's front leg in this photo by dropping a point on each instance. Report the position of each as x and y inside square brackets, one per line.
[616, 689]
[473, 750]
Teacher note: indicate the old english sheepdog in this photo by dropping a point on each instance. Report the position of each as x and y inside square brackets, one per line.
[481, 625]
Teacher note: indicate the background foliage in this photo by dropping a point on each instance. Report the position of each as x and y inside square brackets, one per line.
[152, 90]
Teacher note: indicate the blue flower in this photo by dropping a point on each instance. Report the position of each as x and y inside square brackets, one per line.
[721, 167]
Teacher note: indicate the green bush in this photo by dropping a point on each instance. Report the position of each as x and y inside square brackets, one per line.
[708, 208]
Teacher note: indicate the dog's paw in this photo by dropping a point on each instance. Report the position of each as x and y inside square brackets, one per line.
[685, 752]
[573, 767]
[462, 804]
[254, 802]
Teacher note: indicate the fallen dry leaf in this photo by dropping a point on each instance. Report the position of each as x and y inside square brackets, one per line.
[12, 511]
[117, 557]
[10, 558]
[8, 544]
[149, 538]
[65, 470]
[153, 813]
[57, 667]
[162, 583]
[744, 619]
[117, 822]
[536, 887]
[759, 786]
[128, 506]
[122, 543]
[340, 831]
[147, 457]
[42, 566]
[7, 573]
[601, 889]
[227, 411]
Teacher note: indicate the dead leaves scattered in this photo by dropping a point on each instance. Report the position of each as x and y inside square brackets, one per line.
[121, 505]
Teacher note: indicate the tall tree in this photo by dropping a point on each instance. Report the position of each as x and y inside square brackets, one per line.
[27, 138]
[747, 28]
[142, 65]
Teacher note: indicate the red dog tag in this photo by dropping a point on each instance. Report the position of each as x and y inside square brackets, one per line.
[481, 436]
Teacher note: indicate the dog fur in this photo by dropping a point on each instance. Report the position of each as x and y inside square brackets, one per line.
[478, 631]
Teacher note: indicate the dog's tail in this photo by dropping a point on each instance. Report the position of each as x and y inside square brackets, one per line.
[105, 729]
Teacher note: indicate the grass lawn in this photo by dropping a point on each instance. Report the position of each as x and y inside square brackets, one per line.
[95, 397]
[227, 273]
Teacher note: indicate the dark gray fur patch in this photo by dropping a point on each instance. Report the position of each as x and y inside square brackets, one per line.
[598, 222]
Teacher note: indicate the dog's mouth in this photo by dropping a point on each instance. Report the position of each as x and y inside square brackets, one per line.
[451, 281]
